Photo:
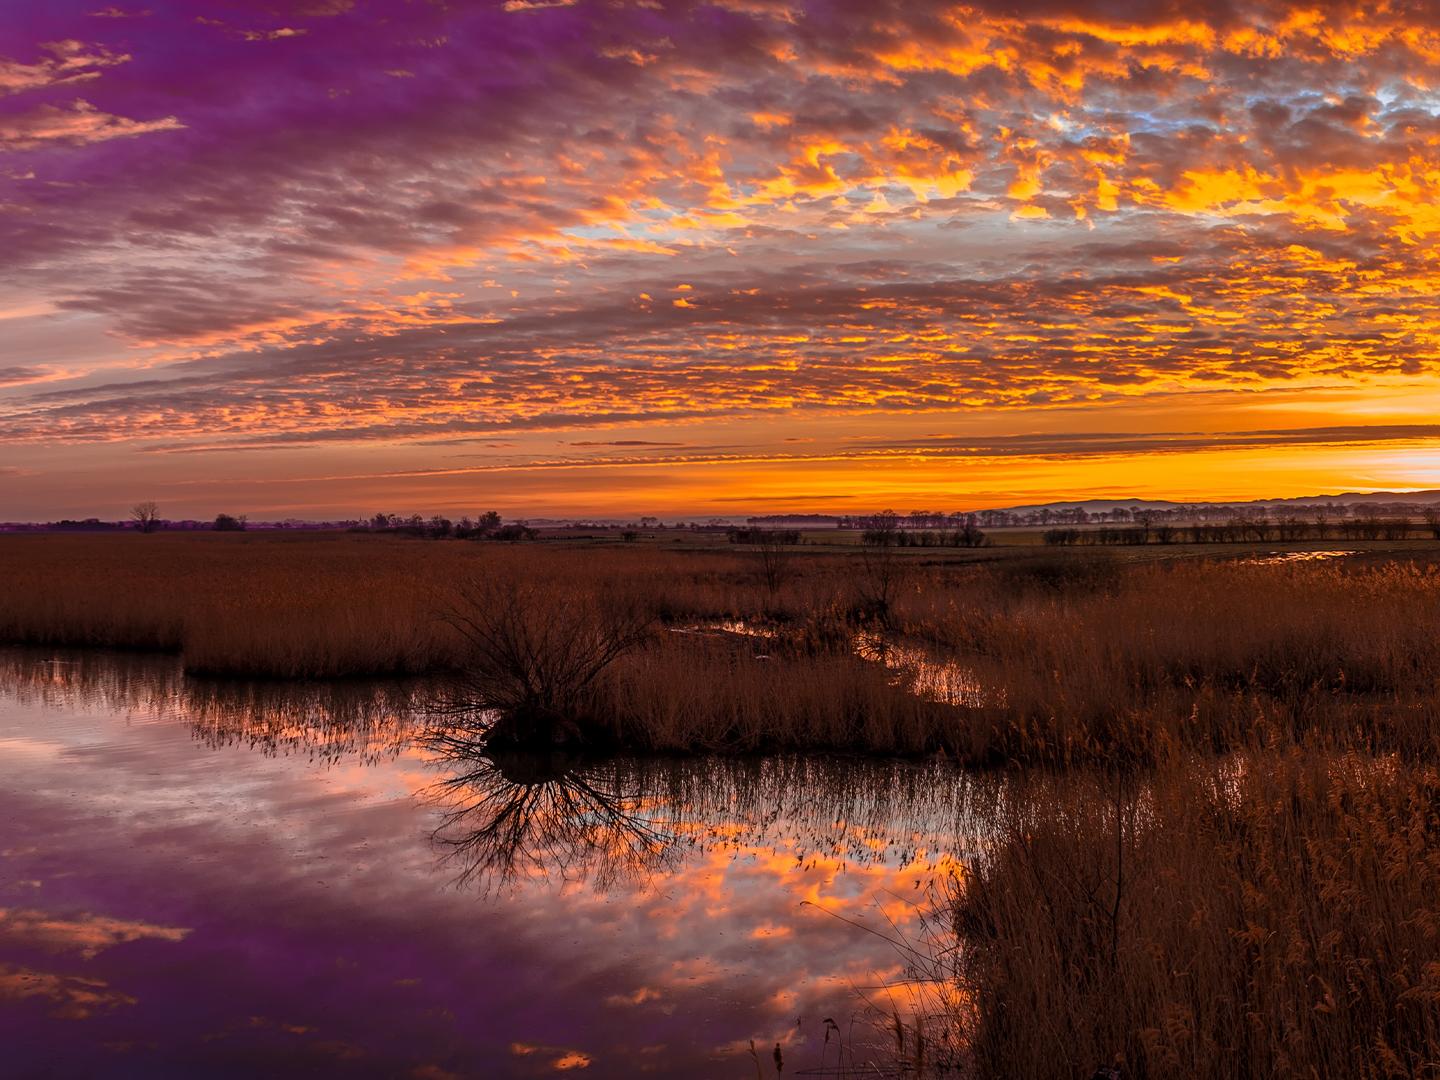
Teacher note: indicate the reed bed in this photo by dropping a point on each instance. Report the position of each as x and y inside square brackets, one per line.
[1155, 658]
[1073, 656]
[1269, 914]
[298, 605]
[1228, 864]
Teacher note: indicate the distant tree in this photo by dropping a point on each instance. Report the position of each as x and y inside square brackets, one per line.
[629, 536]
[486, 524]
[514, 532]
[1146, 520]
[146, 516]
[773, 546]
[1290, 523]
[968, 535]
[229, 523]
[1432, 519]
[1395, 528]
[883, 529]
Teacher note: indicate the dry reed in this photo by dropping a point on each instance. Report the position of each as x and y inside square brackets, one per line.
[1073, 656]
[1272, 915]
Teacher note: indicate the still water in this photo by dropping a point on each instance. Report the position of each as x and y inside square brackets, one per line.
[208, 879]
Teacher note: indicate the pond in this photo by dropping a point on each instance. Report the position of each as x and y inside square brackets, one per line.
[201, 878]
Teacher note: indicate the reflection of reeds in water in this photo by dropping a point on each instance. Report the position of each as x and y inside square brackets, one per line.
[360, 719]
[510, 818]
[853, 811]
[1060, 657]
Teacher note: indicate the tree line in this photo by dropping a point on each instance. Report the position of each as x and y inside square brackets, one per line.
[1321, 524]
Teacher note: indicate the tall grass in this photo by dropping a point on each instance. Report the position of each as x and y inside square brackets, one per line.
[1073, 656]
[1209, 655]
[1269, 915]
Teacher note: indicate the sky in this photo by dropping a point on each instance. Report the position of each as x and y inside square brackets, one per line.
[323, 258]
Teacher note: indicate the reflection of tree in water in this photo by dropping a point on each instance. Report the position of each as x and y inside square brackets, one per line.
[511, 817]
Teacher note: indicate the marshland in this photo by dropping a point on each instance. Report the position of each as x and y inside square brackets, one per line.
[1009, 810]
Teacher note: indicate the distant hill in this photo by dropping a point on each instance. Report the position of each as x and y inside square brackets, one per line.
[1097, 506]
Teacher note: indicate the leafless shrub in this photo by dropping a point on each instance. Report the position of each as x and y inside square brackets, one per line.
[883, 574]
[535, 654]
[775, 551]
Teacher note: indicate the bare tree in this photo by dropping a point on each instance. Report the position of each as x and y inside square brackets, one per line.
[1290, 523]
[1146, 520]
[514, 817]
[1432, 520]
[883, 529]
[774, 550]
[882, 576]
[536, 653]
[146, 516]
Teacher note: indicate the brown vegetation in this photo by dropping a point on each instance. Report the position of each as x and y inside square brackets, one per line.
[535, 657]
[1267, 915]
[1072, 656]
[1245, 886]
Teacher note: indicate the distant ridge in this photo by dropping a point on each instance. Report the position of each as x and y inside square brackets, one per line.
[1413, 498]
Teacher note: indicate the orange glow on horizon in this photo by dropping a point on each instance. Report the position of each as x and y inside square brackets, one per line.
[704, 233]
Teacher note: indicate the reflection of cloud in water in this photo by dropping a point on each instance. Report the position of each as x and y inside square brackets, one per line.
[87, 934]
[358, 719]
[74, 997]
[627, 820]
[637, 895]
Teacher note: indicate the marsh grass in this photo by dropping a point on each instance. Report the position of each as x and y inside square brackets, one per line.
[1269, 914]
[1074, 656]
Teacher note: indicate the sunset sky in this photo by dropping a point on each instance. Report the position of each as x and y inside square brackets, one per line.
[607, 257]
